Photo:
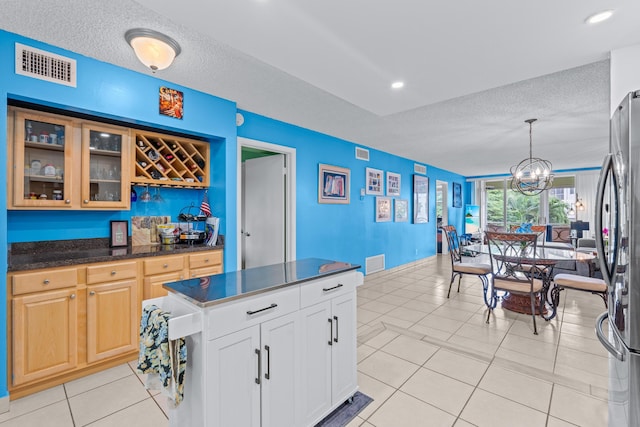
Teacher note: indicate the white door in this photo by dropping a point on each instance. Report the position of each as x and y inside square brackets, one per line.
[263, 228]
[344, 380]
[234, 380]
[315, 372]
[280, 371]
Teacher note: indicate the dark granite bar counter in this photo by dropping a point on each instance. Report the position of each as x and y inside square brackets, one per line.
[60, 253]
[211, 290]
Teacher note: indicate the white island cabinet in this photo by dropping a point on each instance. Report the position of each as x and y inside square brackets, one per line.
[270, 346]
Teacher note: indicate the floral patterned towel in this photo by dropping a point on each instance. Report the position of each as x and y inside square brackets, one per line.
[162, 359]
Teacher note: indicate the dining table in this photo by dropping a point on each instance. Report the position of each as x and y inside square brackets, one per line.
[546, 256]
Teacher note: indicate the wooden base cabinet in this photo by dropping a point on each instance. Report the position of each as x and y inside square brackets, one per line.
[70, 321]
[112, 319]
[45, 330]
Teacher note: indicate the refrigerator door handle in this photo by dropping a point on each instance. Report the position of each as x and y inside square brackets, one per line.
[607, 167]
[603, 339]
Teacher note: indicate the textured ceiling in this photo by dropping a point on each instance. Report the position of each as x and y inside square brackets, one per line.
[474, 72]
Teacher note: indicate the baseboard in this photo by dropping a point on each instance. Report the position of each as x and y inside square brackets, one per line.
[4, 404]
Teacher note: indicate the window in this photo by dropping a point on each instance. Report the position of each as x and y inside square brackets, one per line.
[561, 199]
[521, 208]
[495, 202]
[505, 207]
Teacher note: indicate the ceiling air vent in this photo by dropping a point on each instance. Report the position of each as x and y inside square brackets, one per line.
[43, 65]
[421, 169]
[362, 154]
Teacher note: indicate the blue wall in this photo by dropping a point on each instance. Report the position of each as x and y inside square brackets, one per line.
[341, 232]
[349, 232]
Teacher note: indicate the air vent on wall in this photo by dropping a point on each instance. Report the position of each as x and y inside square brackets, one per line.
[374, 264]
[44, 65]
[362, 154]
[421, 169]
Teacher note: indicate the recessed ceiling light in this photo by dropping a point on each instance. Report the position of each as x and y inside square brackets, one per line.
[397, 85]
[599, 17]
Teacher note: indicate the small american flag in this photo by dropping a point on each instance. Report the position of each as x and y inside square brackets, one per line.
[204, 206]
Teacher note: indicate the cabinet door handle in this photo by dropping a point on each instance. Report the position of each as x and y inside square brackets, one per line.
[268, 373]
[46, 281]
[113, 273]
[72, 296]
[336, 319]
[92, 293]
[330, 331]
[251, 313]
[206, 260]
[68, 202]
[165, 265]
[85, 201]
[259, 366]
[339, 285]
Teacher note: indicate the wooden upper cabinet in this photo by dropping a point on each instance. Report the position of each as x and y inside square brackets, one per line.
[42, 161]
[105, 167]
[58, 162]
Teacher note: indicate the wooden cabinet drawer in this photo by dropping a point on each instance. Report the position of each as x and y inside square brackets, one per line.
[160, 265]
[205, 271]
[243, 313]
[205, 259]
[44, 280]
[152, 287]
[322, 290]
[111, 272]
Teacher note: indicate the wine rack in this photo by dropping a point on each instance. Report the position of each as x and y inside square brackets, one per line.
[170, 161]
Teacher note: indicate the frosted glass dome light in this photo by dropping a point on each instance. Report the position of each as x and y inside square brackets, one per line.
[153, 49]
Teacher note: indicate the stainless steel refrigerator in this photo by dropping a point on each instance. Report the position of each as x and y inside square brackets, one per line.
[618, 240]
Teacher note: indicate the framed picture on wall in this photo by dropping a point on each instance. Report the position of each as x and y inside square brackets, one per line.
[375, 182]
[383, 209]
[420, 199]
[333, 184]
[119, 234]
[401, 210]
[393, 184]
[170, 103]
[457, 195]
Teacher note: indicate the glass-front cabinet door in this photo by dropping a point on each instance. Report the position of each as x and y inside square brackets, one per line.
[105, 167]
[42, 159]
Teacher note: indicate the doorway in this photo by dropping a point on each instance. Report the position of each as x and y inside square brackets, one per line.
[442, 189]
[266, 203]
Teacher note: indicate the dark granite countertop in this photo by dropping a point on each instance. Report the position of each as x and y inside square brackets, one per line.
[60, 253]
[219, 288]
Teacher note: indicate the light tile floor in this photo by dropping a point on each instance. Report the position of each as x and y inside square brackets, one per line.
[425, 360]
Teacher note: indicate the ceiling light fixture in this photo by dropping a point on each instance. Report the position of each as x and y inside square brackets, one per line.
[153, 49]
[599, 17]
[397, 85]
[532, 175]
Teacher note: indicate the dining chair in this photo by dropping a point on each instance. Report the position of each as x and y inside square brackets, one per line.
[582, 283]
[514, 269]
[458, 268]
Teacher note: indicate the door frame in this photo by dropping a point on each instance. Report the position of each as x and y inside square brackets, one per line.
[444, 188]
[290, 194]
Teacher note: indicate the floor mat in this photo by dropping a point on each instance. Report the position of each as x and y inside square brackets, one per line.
[346, 412]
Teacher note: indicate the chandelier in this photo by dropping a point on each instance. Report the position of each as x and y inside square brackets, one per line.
[532, 175]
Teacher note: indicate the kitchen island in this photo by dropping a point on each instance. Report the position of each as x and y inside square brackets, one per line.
[267, 346]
